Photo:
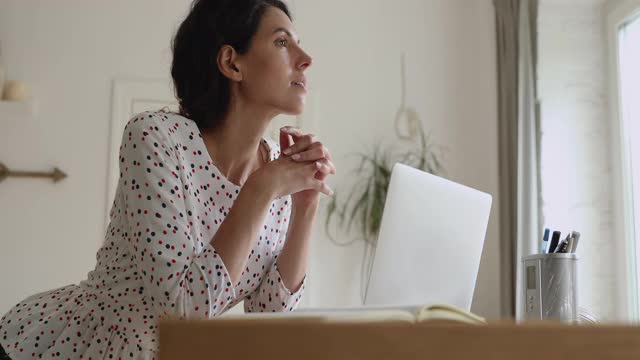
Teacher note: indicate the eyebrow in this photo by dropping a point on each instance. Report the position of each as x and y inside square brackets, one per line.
[281, 29]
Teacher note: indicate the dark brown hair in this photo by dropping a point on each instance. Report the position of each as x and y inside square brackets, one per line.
[202, 91]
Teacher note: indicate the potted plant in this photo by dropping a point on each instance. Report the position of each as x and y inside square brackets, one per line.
[364, 205]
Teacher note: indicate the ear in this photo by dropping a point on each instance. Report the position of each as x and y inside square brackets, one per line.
[228, 63]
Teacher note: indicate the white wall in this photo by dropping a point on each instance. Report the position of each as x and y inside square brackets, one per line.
[68, 51]
[576, 166]
[451, 69]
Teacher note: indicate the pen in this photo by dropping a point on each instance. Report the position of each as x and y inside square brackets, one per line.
[554, 242]
[571, 240]
[563, 245]
[545, 240]
[576, 237]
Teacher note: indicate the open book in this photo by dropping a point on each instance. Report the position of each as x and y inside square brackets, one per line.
[410, 314]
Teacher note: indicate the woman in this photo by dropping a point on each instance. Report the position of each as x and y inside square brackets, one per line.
[204, 204]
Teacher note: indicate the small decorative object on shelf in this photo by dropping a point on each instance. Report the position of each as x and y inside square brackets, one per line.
[55, 175]
[3, 72]
[15, 90]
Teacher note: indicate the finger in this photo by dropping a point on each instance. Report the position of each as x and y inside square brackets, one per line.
[295, 132]
[310, 155]
[322, 187]
[285, 140]
[327, 154]
[307, 142]
[314, 167]
[302, 143]
[329, 164]
[316, 170]
[324, 168]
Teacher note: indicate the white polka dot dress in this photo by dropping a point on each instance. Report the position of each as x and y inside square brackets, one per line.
[156, 260]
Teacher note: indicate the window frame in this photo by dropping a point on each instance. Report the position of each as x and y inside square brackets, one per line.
[618, 14]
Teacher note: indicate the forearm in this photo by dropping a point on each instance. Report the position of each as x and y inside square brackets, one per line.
[293, 260]
[236, 236]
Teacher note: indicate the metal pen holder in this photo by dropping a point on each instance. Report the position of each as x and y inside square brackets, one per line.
[550, 287]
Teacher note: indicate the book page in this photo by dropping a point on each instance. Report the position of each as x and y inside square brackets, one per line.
[409, 314]
[334, 315]
[449, 313]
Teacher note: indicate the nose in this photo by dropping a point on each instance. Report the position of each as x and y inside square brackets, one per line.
[305, 60]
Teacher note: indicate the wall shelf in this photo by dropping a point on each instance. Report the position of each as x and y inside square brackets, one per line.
[17, 108]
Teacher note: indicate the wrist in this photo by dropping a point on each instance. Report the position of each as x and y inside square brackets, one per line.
[257, 191]
[306, 209]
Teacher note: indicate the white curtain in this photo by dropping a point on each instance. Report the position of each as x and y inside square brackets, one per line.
[519, 139]
[529, 219]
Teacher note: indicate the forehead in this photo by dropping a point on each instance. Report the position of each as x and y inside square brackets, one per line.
[274, 18]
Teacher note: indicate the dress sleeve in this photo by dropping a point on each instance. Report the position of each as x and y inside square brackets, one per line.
[272, 295]
[180, 280]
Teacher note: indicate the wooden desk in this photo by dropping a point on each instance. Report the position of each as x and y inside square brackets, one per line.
[312, 340]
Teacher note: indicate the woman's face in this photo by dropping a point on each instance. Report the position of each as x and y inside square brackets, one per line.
[273, 67]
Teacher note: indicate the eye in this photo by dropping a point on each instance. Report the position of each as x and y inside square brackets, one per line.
[282, 42]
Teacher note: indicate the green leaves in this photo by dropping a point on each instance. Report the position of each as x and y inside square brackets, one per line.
[365, 204]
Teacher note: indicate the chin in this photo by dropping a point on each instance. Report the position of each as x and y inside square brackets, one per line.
[293, 109]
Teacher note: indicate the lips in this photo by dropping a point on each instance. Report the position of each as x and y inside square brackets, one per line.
[302, 83]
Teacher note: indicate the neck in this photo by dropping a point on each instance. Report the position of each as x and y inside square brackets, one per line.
[235, 145]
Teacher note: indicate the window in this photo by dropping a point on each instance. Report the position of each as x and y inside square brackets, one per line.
[629, 85]
[624, 34]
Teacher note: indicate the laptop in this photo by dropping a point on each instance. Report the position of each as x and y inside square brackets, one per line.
[429, 245]
[430, 242]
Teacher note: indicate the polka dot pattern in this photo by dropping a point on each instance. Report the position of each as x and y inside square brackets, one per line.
[156, 260]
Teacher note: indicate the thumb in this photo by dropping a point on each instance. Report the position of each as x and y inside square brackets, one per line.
[285, 140]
